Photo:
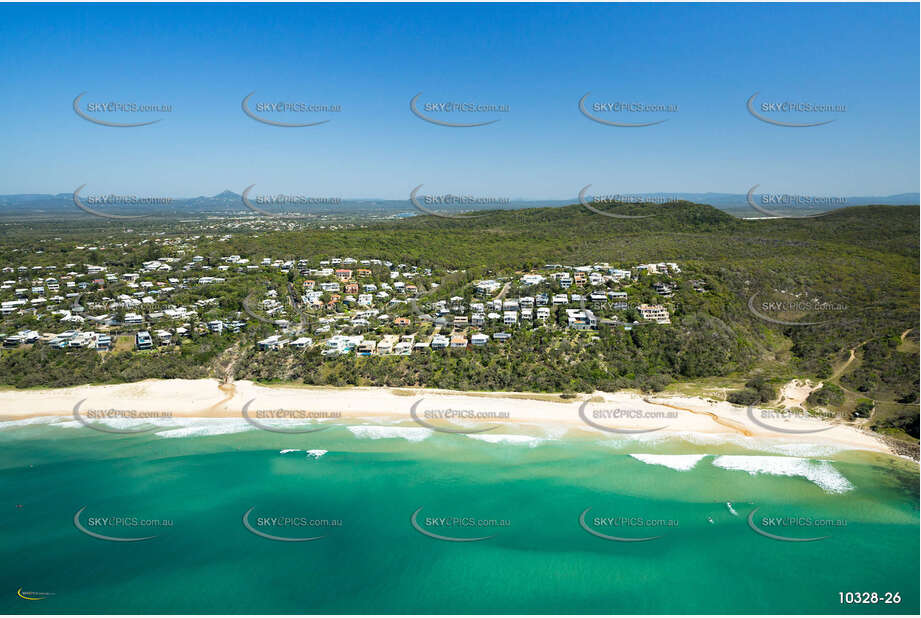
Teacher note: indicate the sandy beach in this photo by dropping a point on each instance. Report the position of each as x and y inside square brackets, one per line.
[612, 413]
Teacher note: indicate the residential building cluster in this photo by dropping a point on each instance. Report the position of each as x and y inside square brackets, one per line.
[365, 306]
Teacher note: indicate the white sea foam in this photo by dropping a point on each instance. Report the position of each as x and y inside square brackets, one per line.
[68, 424]
[645, 439]
[675, 462]
[181, 427]
[121, 423]
[315, 453]
[177, 427]
[376, 432]
[207, 427]
[498, 438]
[802, 449]
[35, 420]
[555, 432]
[731, 510]
[822, 473]
[132, 423]
[780, 446]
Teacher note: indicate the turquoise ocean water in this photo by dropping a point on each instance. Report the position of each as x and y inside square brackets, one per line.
[525, 493]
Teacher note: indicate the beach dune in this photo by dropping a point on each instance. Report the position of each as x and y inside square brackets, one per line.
[622, 413]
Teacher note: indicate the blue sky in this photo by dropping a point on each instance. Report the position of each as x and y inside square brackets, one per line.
[539, 60]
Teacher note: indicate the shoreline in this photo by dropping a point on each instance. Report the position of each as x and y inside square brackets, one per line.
[621, 413]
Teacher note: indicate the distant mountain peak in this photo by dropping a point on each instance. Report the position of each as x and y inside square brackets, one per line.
[227, 194]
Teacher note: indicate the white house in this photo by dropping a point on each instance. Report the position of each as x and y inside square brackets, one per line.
[487, 286]
[654, 313]
[581, 319]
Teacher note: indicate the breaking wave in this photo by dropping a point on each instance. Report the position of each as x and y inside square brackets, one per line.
[822, 473]
[499, 438]
[377, 432]
[675, 462]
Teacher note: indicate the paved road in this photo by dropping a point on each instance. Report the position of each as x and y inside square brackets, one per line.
[504, 290]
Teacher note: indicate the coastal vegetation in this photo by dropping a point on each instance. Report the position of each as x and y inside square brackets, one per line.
[858, 268]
